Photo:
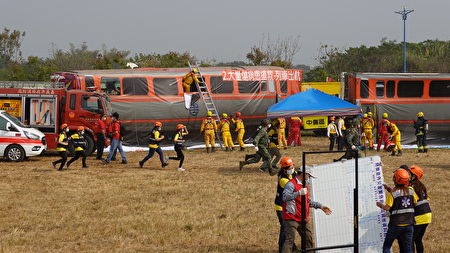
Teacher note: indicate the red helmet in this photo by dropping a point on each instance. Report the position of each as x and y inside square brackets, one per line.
[238, 114]
[401, 176]
[63, 126]
[80, 128]
[180, 126]
[286, 162]
[416, 170]
[158, 124]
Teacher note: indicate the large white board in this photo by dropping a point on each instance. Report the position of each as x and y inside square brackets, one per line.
[334, 188]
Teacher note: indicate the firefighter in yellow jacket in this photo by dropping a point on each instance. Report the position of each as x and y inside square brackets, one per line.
[190, 78]
[224, 127]
[367, 125]
[396, 137]
[209, 126]
[239, 129]
[282, 133]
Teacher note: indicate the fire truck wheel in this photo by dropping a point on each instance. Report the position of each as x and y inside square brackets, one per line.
[14, 153]
[90, 146]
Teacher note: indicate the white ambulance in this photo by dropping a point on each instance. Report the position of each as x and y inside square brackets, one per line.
[17, 140]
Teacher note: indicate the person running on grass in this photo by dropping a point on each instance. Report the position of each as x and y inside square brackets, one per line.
[79, 145]
[61, 147]
[179, 140]
[155, 138]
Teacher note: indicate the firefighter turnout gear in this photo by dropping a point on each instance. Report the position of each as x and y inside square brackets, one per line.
[396, 138]
[188, 79]
[209, 127]
[239, 129]
[61, 147]
[224, 127]
[295, 123]
[282, 142]
[79, 145]
[383, 134]
[367, 126]
[421, 130]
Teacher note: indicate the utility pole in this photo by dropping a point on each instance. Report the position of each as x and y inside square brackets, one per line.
[404, 14]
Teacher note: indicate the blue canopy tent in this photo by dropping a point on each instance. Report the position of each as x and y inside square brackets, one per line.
[312, 103]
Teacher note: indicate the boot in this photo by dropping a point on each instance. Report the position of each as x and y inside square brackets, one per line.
[208, 150]
[213, 149]
[420, 151]
[242, 149]
[425, 150]
[241, 164]
[273, 171]
[393, 153]
[399, 153]
[231, 148]
[227, 149]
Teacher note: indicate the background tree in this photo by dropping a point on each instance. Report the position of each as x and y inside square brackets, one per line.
[10, 43]
[279, 52]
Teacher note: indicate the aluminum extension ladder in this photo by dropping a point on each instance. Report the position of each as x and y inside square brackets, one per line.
[205, 94]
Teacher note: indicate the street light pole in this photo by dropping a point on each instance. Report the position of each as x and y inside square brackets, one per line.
[404, 14]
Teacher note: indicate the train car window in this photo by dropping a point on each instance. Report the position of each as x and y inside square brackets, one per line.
[89, 82]
[271, 86]
[283, 86]
[110, 85]
[135, 86]
[379, 88]
[390, 89]
[364, 88]
[440, 88]
[165, 86]
[248, 87]
[410, 89]
[263, 86]
[73, 100]
[219, 86]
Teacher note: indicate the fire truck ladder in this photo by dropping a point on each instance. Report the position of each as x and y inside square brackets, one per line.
[207, 98]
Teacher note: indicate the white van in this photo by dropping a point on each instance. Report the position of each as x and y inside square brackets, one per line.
[17, 140]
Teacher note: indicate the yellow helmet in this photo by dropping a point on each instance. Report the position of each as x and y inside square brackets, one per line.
[224, 115]
[369, 114]
[365, 115]
[385, 115]
[420, 114]
[195, 70]
[209, 114]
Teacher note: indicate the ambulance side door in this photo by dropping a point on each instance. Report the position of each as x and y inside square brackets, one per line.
[5, 135]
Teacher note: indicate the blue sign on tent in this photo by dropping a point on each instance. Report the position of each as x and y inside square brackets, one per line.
[312, 103]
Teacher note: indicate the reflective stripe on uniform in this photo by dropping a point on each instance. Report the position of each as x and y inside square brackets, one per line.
[421, 202]
[407, 210]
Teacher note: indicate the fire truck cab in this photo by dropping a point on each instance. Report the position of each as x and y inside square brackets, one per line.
[45, 106]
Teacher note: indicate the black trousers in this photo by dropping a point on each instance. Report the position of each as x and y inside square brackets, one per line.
[332, 141]
[63, 159]
[180, 155]
[100, 145]
[422, 141]
[78, 154]
[419, 231]
[340, 140]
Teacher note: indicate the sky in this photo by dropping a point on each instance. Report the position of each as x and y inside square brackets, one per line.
[219, 30]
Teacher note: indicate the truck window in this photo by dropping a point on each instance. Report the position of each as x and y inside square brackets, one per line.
[91, 104]
[379, 88]
[248, 87]
[73, 100]
[135, 86]
[390, 89]
[364, 88]
[111, 85]
[410, 89]
[440, 88]
[89, 82]
[165, 86]
[219, 86]
[3, 124]
[283, 86]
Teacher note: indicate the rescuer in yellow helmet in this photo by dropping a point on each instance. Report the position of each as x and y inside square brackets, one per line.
[421, 127]
[189, 78]
[367, 125]
[240, 129]
[282, 133]
[396, 137]
[209, 126]
[224, 127]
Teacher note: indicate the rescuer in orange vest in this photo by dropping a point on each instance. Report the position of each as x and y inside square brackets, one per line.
[210, 127]
[240, 129]
[282, 133]
[224, 127]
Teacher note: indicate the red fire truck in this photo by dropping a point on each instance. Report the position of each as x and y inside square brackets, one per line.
[45, 106]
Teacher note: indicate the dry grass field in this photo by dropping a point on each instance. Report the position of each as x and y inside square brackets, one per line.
[212, 207]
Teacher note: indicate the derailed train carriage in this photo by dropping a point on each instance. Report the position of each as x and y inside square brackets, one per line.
[143, 96]
[402, 96]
